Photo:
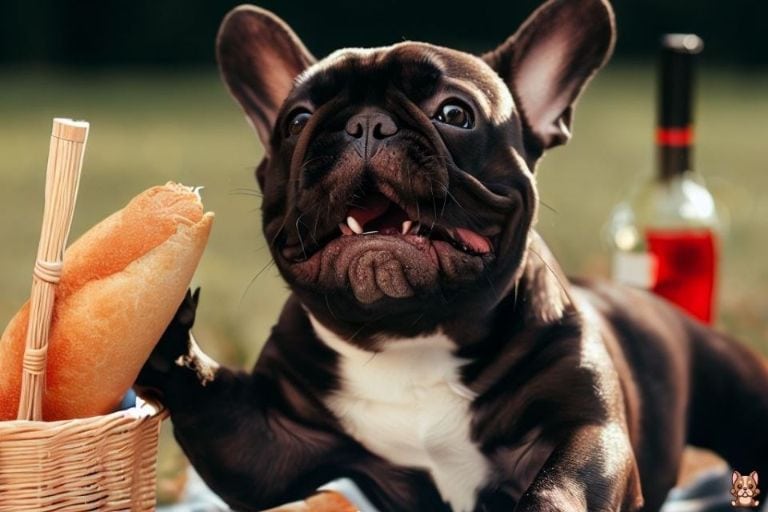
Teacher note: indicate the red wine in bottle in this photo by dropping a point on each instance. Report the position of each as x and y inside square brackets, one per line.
[665, 234]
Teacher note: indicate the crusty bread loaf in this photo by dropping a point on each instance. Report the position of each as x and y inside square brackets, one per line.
[120, 286]
[324, 501]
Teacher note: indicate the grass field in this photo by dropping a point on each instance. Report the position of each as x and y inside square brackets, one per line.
[147, 129]
[150, 128]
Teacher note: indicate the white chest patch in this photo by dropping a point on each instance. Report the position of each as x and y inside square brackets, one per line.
[407, 405]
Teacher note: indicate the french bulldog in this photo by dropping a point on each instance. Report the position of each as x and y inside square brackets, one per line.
[432, 349]
[744, 489]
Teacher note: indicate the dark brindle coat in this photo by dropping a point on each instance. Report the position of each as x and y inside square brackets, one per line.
[579, 396]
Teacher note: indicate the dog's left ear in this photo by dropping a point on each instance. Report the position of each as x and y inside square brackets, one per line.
[259, 57]
[550, 59]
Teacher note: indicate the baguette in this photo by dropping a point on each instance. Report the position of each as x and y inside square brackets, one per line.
[120, 286]
[323, 501]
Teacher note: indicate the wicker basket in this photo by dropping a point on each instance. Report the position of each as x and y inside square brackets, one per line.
[103, 463]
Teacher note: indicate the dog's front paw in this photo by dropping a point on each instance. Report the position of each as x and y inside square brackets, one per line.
[173, 345]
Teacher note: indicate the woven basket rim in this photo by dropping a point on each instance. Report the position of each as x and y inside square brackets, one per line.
[103, 462]
[141, 411]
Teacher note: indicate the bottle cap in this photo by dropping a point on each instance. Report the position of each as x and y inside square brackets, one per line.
[682, 43]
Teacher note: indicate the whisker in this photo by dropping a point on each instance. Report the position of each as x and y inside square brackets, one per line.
[495, 291]
[413, 193]
[279, 230]
[434, 207]
[247, 194]
[314, 229]
[245, 191]
[328, 305]
[358, 331]
[448, 194]
[559, 282]
[445, 201]
[473, 220]
[312, 160]
[253, 280]
[418, 318]
[303, 167]
[548, 207]
[298, 233]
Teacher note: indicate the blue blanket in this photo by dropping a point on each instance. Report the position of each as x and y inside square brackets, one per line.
[709, 493]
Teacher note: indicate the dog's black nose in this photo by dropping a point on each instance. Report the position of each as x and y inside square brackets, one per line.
[368, 128]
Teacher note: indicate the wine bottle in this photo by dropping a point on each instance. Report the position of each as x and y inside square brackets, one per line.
[665, 235]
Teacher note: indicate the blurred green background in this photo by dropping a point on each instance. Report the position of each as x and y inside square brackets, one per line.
[148, 128]
[143, 75]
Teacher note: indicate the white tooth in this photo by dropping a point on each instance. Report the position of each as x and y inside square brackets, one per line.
[406, 227]
[354, 225]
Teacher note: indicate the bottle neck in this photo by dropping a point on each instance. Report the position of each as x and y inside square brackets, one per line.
[674, 122]
[675, 151]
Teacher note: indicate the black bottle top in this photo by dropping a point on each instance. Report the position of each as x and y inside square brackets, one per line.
[674, 127]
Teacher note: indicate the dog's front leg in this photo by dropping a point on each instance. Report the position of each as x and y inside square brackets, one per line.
[593, 470]
[233, 426]
[245, 448]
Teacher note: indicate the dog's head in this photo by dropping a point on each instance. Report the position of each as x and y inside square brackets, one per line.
[744, 486]
[398, 181]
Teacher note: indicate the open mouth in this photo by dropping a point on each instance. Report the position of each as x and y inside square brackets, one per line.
[376, 215]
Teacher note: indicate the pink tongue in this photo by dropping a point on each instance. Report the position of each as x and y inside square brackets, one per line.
[372, 207]
[477, 243]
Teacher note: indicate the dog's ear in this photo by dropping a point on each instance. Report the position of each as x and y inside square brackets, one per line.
[754, 477]
[550, 59]
[259, 56]
[735, 476]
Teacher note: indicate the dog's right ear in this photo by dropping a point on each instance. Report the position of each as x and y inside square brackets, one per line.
[547, 63]
[259, 56]
[736, 475]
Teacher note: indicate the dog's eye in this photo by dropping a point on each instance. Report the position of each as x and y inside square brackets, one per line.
[298, 122]
[455, 113]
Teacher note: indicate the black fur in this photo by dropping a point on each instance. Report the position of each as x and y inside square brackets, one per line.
[586, 392]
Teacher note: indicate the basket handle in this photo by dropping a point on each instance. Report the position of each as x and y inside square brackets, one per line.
[62, 178]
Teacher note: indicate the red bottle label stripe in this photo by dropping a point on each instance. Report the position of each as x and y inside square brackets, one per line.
[675, 137]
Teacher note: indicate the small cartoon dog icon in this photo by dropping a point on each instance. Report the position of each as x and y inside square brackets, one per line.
[744, 489]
